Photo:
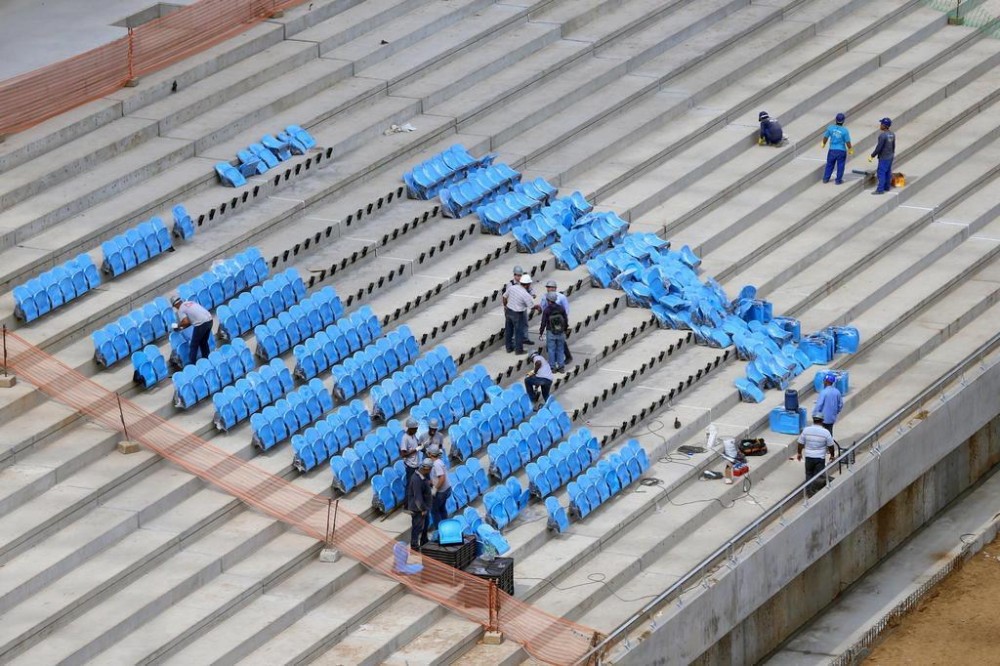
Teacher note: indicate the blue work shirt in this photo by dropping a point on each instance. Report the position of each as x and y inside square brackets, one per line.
[561, 301]
[838, 136]
[828, 404]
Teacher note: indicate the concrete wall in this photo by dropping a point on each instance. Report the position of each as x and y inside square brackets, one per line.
[800, 567]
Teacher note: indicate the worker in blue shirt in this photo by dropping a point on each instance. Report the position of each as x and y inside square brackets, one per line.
[885, 151]
[829, 403]
[840, 148]
[770, 130]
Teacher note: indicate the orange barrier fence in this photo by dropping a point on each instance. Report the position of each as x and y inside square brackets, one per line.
[545, 637]
[32, 97]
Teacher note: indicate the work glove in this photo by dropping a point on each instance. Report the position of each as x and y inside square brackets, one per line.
[760, 141]
[850, 151]
[174, 326]
[871, 159]
[822, 146]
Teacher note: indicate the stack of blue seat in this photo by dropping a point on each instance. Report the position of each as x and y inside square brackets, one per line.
[300, 322]
[208, 376]
[414, 382]
[149, 367]
[136, 246]
[499, 215]
[488, 538]
[180, 346]
[564, 462]
[264, 301]
[299, 409]
[226, 279]
[529, 440]
[257, 158]
[452, 402]
[591, 235]
[504, 503]
[628, 258]
[487, 424]
[132, 332]
[450, 166]
[377, 361]
[333, 434]
[249, 395]
[338, 341]
[183, 224]
[478, 187]
[366, 458]
[546, 226]
[607, 478]
[54, 288]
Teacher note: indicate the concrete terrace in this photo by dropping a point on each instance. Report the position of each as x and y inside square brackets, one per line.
[647, 107]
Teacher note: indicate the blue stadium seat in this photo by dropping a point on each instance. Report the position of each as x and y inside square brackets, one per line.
[558, 520]
[229, 175]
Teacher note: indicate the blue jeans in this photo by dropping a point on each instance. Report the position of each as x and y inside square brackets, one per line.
[438, 510]
[543, 386]
[884, 173]
[199, 341]
[514, 327]
[555, 344]
[835, 158]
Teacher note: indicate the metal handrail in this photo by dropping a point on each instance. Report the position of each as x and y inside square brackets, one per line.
[778, 509]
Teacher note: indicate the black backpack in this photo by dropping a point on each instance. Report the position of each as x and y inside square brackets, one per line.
[557, 319]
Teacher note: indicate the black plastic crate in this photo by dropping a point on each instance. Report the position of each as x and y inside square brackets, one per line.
[459, 555]
[499, 570]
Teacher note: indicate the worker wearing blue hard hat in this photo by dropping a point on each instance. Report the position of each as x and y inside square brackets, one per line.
[885, 151]
[840, 147]
[830, 402]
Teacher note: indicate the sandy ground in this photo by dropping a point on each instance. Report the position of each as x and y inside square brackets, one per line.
[957, 623]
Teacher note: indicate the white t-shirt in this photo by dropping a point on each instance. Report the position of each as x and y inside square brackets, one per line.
[194, 312]
[814, 440]
[545, 370]
[437, 471]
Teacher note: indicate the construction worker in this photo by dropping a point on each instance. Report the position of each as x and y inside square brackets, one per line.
[829, 403]
[885, 151]
[418, 502]
[409, 448]
[770, 130]
[440, 484]
[840, 148]
[194, 315]
[552, 287]
[815, 441]
[518, 302]
[433, 436]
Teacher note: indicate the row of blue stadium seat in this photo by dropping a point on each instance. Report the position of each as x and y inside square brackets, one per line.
[264, 301]
[226, 279]
[505, 502]
[54, 288]
[489, 423]
[131, 332]
[562, 463]
[249, 395]
[299, 409]
[180, 346]
[300, 322]
[460, 397]
[499, 215]
[529, 440]
[589, 236]
[149, 368]
[599, 483]
[374, 362]
[366, 458]
[183, 224]
[331, 435]
[479, 186]
[636, 252]
[545, 227]
[413, 383]
[136, 246]
[208, 376]
[426, 179]
[259, 157]
[331, 346]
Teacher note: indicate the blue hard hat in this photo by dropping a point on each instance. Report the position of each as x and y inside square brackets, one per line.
[830, 378]
[886, 121]
[841, 118]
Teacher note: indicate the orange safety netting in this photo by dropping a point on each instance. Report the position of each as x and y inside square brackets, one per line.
[32, 97]
[545, 637]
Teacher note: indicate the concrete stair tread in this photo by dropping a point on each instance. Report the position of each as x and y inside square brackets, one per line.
[257, 104]
[354, 21]
[58, 202]
[225, 593]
